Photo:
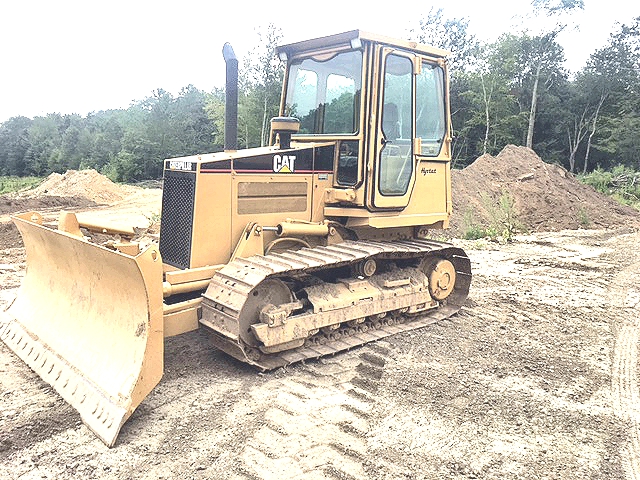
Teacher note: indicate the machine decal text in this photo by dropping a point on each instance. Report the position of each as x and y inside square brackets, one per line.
[179, 165]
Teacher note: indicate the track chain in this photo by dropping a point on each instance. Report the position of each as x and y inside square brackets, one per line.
[231, 286]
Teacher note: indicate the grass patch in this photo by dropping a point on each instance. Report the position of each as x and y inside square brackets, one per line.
[621, 183]
[471, 228]
[583, 217]
[14, 184]
[503, 220]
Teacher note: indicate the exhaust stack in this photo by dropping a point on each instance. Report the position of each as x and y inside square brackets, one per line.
[231, 100]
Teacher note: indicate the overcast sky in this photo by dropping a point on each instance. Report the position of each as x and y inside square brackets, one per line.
[71, 56]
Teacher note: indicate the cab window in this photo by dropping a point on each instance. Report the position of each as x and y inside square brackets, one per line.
[324, 93]
[430, 109]
[396, 156]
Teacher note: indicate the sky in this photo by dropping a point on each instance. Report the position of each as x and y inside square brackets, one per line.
[70, 56]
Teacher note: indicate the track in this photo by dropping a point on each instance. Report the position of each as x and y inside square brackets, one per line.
[233, 288]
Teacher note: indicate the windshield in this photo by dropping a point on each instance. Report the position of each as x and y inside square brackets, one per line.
[324, 94]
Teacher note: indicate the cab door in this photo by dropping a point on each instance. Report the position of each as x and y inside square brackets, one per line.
[394, 152]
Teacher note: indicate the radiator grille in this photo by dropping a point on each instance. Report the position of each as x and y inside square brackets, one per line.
[177, 218]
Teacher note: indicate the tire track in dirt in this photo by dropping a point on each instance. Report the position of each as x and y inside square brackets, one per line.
[624, 373]
[515, 386]
[308, 421]
[317, 423]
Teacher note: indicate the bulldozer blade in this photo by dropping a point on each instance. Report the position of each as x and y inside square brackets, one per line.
[88, 321]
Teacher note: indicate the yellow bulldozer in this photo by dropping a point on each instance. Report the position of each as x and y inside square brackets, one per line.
[313, 245]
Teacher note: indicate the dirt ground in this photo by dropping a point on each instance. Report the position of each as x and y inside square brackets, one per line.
[536, 378]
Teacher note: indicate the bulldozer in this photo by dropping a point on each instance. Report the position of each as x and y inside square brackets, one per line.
[315, 244]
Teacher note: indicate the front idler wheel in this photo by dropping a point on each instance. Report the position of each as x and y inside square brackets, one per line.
[442, 278]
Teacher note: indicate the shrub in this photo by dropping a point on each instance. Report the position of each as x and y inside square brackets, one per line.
[503, 221]
[622, 183]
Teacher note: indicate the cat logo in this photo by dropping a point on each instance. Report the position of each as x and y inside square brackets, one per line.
[284, 163]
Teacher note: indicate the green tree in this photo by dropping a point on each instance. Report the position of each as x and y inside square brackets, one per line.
[194, 131]
[214, 109]
[74, 144]
[495, 96]
[610, 88]
[44, 137]
[450, 34]
[556, 7]
[14, 139]
[544, 56]
[541, 61]
[260, 88]
[107, 129]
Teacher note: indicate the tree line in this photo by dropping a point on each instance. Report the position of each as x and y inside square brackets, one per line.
[511, 91]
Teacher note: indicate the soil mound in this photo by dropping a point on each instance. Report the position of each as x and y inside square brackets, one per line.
[87, 184]
[10, 203]
[545, 197]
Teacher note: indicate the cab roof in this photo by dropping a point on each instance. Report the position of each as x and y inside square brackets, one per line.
[354, 39]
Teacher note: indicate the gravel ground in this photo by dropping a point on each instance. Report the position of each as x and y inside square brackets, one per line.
[535, 378]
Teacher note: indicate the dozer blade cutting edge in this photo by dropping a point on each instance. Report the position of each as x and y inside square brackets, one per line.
[88, 320]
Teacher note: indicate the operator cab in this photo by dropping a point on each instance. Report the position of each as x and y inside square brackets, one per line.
[382, 101]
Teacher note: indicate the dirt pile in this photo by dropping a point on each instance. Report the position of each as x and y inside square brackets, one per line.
[545, 197]
[87, 184]
[11, 204]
